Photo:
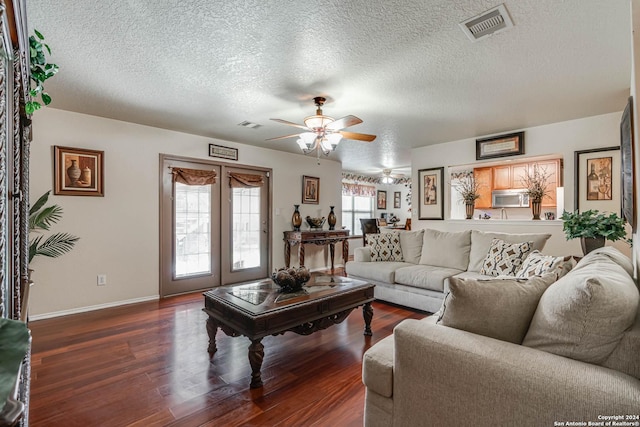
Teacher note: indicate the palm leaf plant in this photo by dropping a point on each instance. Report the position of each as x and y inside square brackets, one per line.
[41, 218]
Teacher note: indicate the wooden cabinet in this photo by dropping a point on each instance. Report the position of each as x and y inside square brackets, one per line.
[502, 177]
[553, 168]
[518, 173]
[484, 178]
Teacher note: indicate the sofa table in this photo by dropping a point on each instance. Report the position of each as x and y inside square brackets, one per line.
[258, 309]
[319, 237]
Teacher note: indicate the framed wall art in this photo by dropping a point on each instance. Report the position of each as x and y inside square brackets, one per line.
[396, 199]
[223, 152]
[310, 190]
[500, 146]
[78, 172]
[431, 193]
[382, 199]
[628, 180]
[597, 179]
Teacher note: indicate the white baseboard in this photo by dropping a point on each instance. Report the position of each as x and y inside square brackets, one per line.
[92, 308]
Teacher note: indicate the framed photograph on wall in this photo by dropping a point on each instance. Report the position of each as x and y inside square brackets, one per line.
[310, 190]
[396, 199]
[382, 200]
[431, 193]
[78, 172]
[500, 146]
[626, 151]
[597, 179]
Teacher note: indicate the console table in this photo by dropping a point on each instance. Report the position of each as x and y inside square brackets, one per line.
[319, 237]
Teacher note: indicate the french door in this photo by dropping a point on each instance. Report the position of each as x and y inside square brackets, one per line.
[214, 224]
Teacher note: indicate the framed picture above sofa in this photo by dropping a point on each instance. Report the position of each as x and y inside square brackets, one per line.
[431, 193]
[597, 179]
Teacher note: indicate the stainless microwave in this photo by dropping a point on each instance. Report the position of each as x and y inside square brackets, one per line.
[509, 199]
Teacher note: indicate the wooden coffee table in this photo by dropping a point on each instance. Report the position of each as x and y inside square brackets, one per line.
[258, 309]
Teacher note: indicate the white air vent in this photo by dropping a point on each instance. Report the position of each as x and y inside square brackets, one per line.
[487, 23]
[250, 125]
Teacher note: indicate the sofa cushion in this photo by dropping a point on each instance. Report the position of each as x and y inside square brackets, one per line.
[625, 356]
[377, 367]
[425, 276]
[505, 258]
[411, 244]
[537, 264]
[481, 241]
[446, 249]
[381, 271]
[384, 246]
[496, 308]
[608, 253]
[584, 315]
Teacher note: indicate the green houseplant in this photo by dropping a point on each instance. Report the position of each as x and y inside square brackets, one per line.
[41, 70]
[41, 218]
[593, 228]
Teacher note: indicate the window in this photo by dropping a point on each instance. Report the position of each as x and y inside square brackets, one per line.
[246, 227]
[354, 208]
[192, 230]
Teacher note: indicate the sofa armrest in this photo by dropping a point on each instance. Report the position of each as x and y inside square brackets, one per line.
[362, 254]
[445, 376]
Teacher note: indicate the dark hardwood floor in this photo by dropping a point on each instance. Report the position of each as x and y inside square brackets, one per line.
[146, 364]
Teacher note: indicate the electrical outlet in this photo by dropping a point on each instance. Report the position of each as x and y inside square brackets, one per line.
[102, 279]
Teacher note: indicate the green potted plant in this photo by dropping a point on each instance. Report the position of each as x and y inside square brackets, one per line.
[593, 228]
[469, 189]
[40, 69]
[41, 218]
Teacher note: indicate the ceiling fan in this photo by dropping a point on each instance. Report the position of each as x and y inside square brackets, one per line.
[323, 133]
[387, 178]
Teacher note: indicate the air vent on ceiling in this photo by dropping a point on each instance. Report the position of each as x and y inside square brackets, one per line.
[250, 125]
[487, 23]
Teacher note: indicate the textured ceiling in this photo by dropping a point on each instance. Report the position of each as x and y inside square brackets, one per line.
[403, 66]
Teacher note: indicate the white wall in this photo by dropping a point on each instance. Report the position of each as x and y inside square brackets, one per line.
[562, 138]
[119, 233]
[402, 213]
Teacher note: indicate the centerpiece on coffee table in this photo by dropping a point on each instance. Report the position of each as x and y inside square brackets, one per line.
[291, 279]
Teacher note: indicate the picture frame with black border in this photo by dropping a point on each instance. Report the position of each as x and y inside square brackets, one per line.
[431, 193]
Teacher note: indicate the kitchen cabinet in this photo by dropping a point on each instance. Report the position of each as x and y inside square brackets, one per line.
[502, 178]
[484, 178]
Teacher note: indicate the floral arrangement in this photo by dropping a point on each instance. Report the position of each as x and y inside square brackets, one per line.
[536, 183]
[469, 189]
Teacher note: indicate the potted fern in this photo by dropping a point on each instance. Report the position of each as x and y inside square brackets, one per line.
[41, 218]
[593, 228]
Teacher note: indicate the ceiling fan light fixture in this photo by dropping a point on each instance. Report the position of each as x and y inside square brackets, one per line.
[302, 144]
[326, 146]
[387, 180]
[317, 121]
[334, 139]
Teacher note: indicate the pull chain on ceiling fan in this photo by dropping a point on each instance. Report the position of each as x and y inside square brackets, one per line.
[323, 133]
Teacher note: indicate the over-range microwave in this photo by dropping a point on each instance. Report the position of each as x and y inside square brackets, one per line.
[509, 199]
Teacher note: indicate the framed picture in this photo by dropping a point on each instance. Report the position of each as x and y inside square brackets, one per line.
[597, 179]
[310, 190]
[626, 148]
[500, 146]
[223, 152]
[431, 193]
[396, 199]
[78, 172]
[382, 200]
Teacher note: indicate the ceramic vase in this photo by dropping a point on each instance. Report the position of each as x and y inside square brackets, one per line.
[536, 207]
[73, 172]
[296, 219]
[86, 177]
[468, 210]
[331, 219]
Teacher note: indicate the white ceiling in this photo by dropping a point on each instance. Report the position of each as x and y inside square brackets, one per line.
[403, 66]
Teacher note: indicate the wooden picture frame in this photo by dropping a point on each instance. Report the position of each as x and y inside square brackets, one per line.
[511, 144]
[396, 199]
[78, 172]
[597, 179]
[223, 152]
[310, 190]
[382, 199]
[431, 193]
[628, 179]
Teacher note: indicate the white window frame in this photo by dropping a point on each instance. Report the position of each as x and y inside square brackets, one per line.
[356, 230]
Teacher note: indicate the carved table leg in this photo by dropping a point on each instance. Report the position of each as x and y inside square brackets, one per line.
[332, 252]
[367, 313]
[256, 355]
[287, 253]
[301, 254]
[345, 253]
[212, 328]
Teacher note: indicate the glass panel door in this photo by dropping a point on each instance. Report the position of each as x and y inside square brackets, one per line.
[192, 218]
[246, 228]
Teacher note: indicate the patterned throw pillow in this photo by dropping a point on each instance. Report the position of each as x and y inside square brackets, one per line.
[505, 258]
[537, 264]
[385, 247]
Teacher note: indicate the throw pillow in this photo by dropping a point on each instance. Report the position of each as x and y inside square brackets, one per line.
[505, 258]
[446, 249]
[583, 315]
[385, 247]
[496, 308]
[536, 264]
[481, 241]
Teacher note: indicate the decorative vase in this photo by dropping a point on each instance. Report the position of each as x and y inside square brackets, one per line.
[331, 219]
[590, 243]
[73, 172]
[86, 177]
[536, 207]
[468, 209]
[296, 219]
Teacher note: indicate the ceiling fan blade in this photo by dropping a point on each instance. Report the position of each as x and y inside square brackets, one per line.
[357, 136]
[285, 122]
[344, 122]
[295, 135]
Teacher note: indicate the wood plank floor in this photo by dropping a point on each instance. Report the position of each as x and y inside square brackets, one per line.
[146, 364]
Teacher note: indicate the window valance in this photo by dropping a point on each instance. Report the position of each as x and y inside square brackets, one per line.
[241, 180]
[193, 176]
[358, 190]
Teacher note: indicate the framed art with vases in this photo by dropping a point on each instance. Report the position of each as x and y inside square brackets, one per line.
[310, 190]
[78, 171]
[382, 200]
[431, 193]
[597, 179]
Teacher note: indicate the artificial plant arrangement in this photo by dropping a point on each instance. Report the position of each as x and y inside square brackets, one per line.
[41, 70]
[41, 218]
[536, 183]
[593, 228]
[469, 189]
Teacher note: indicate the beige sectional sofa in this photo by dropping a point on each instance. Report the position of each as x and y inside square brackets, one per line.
[576, 361]
[429, 259]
